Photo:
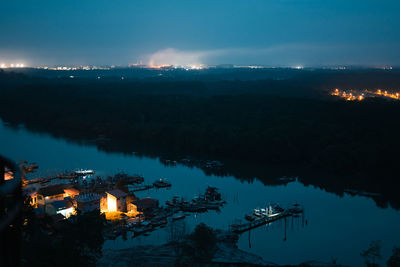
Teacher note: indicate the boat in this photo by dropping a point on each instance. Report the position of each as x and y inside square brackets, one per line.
[44, 181]
[84, 172]
[158, 223]
[193, 208]
[249, 217]
[212, 194]
[174, 202]
[211, 206]
[141, 230]
[257, 212]
[179, 217]
[134, 188]
[296, 208]
[136, 179]
[161, 183]
[268, 212]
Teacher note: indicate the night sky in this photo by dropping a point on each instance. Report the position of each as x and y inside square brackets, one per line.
[269, 32]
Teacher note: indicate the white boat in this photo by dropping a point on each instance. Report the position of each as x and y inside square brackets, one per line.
[84, 172]
[268, 212]
[257, 212]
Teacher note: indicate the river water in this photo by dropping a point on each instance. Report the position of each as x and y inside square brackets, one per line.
[332, 227]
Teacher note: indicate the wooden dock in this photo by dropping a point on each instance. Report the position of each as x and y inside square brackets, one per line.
[240, 228]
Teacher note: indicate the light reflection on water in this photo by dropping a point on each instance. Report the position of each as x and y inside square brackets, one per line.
[334, 227]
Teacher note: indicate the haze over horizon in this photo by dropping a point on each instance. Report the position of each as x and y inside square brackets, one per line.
[276, 32]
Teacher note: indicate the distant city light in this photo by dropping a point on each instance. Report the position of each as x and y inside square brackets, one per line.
[351, 95]
[12, 65]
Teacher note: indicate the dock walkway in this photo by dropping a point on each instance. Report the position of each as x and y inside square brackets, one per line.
[240, 228]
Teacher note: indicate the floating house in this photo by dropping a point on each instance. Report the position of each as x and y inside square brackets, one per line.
[116, 200]
[87, 202]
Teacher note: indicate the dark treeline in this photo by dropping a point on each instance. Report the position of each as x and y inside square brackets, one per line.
[285, 123]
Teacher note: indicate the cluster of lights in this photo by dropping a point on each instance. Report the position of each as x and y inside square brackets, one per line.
[67, 68]
[386, 94]
[18, 65]
[349, 96]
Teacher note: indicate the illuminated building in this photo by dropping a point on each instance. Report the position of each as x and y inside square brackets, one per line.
[64, 207]
[116, 200]
[49, 194]
[71, 192]
[54, 193]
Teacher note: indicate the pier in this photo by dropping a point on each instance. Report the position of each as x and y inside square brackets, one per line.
[240, 228]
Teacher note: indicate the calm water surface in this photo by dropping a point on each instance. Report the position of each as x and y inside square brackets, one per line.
[333, 226]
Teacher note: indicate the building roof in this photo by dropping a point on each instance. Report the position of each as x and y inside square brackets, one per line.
[117, 193]
[87, 197]
[61, 204]
[52, 190]
[71, 191]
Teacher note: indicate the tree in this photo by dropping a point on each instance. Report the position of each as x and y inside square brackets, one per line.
[394, 260]
[204, 240]
[372, 254]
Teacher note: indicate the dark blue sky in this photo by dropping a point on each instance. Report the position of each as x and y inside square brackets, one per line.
[271, 32]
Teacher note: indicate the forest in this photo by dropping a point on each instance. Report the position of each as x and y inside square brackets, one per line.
[290, 123]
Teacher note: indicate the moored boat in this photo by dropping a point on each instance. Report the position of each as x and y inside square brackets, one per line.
[84, 172]
[161, 183]
[249, 217]
[179, 217]
[268, 212]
